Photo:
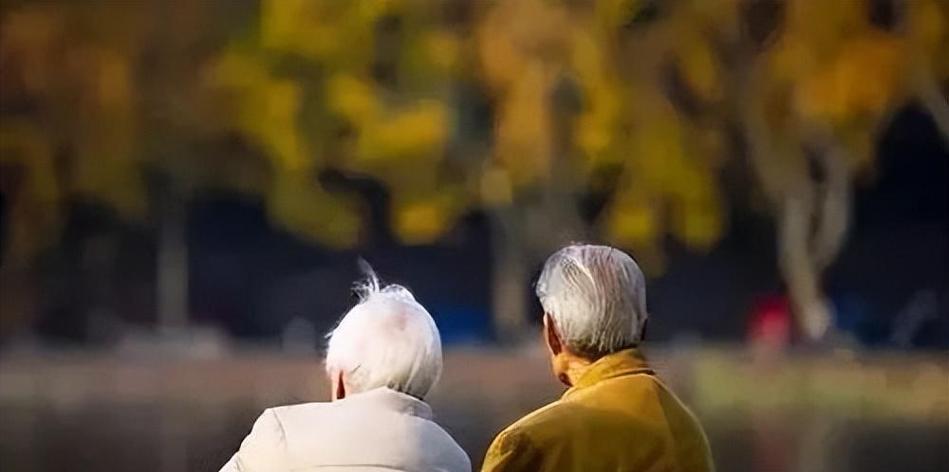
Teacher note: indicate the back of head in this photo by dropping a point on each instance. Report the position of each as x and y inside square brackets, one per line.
[596, 297]
[387, 340]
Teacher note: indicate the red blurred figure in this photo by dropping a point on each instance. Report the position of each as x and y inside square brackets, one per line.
[770, 323]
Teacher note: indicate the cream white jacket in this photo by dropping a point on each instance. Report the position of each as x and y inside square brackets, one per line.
[378, 430]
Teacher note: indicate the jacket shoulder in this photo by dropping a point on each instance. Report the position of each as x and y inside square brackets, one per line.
[263, 448]
[284, 412]
[330, 433]
[536, 426]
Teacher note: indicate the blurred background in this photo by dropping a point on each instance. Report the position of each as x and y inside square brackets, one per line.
[186, 188]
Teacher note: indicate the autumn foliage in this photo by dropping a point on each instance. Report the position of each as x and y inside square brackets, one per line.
[636, 100]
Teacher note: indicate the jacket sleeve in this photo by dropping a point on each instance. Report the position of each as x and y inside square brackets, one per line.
[263, 449]
[512, 451]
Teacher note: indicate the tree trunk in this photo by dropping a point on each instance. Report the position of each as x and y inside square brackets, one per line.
[172, 265]
[799, 272]
[812, 215]
[832, 209]
[536, 224]
[813, 223]
[509, 274]
[934, 101]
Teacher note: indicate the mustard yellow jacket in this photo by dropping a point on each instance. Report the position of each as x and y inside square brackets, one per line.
[618, 417]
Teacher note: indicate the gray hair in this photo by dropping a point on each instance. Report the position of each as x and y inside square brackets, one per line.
[596, 297]
[387, 340]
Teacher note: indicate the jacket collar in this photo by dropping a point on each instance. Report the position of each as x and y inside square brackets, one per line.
[618, 364]
[384, 398]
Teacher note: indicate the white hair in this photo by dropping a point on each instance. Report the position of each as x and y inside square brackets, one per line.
[596, 297]
[387, 340]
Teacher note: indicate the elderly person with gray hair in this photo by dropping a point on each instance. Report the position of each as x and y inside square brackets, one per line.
[382, 360]
[616, 415]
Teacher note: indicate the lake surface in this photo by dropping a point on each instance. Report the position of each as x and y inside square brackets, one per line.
[99, 413]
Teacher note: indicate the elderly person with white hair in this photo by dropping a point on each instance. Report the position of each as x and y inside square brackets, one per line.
[383, 359]
[616, 415]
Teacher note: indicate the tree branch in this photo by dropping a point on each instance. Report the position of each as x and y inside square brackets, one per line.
[935, 103]
[832, 209]
[796, 261]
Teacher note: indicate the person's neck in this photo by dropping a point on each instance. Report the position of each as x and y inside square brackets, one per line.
[574, 368]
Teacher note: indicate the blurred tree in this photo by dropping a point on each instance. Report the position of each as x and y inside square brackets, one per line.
[924, 25]
[659, 86]
[68, 121]
[611, 120]
[104, 112]
[810, 114]
[360, 87]
[59, 85]
[576, 117]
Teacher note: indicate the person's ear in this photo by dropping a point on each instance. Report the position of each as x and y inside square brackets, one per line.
[340, 392]
[551, 337]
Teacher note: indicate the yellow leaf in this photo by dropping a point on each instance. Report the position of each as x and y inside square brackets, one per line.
[612, 14]
[927, 24]
[423, 218]
[523, 134]
[443, 48]
[34, 210]
[631, 220]
[698, 65]
[698, 223]
[353, 98]
[496, 189]
[297, 203]
[417, 131]
[300, 26]
[842, 89]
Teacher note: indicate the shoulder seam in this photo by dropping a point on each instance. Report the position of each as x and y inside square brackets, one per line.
[283, 432]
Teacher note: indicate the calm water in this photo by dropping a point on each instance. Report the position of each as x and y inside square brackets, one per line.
[109, 415]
